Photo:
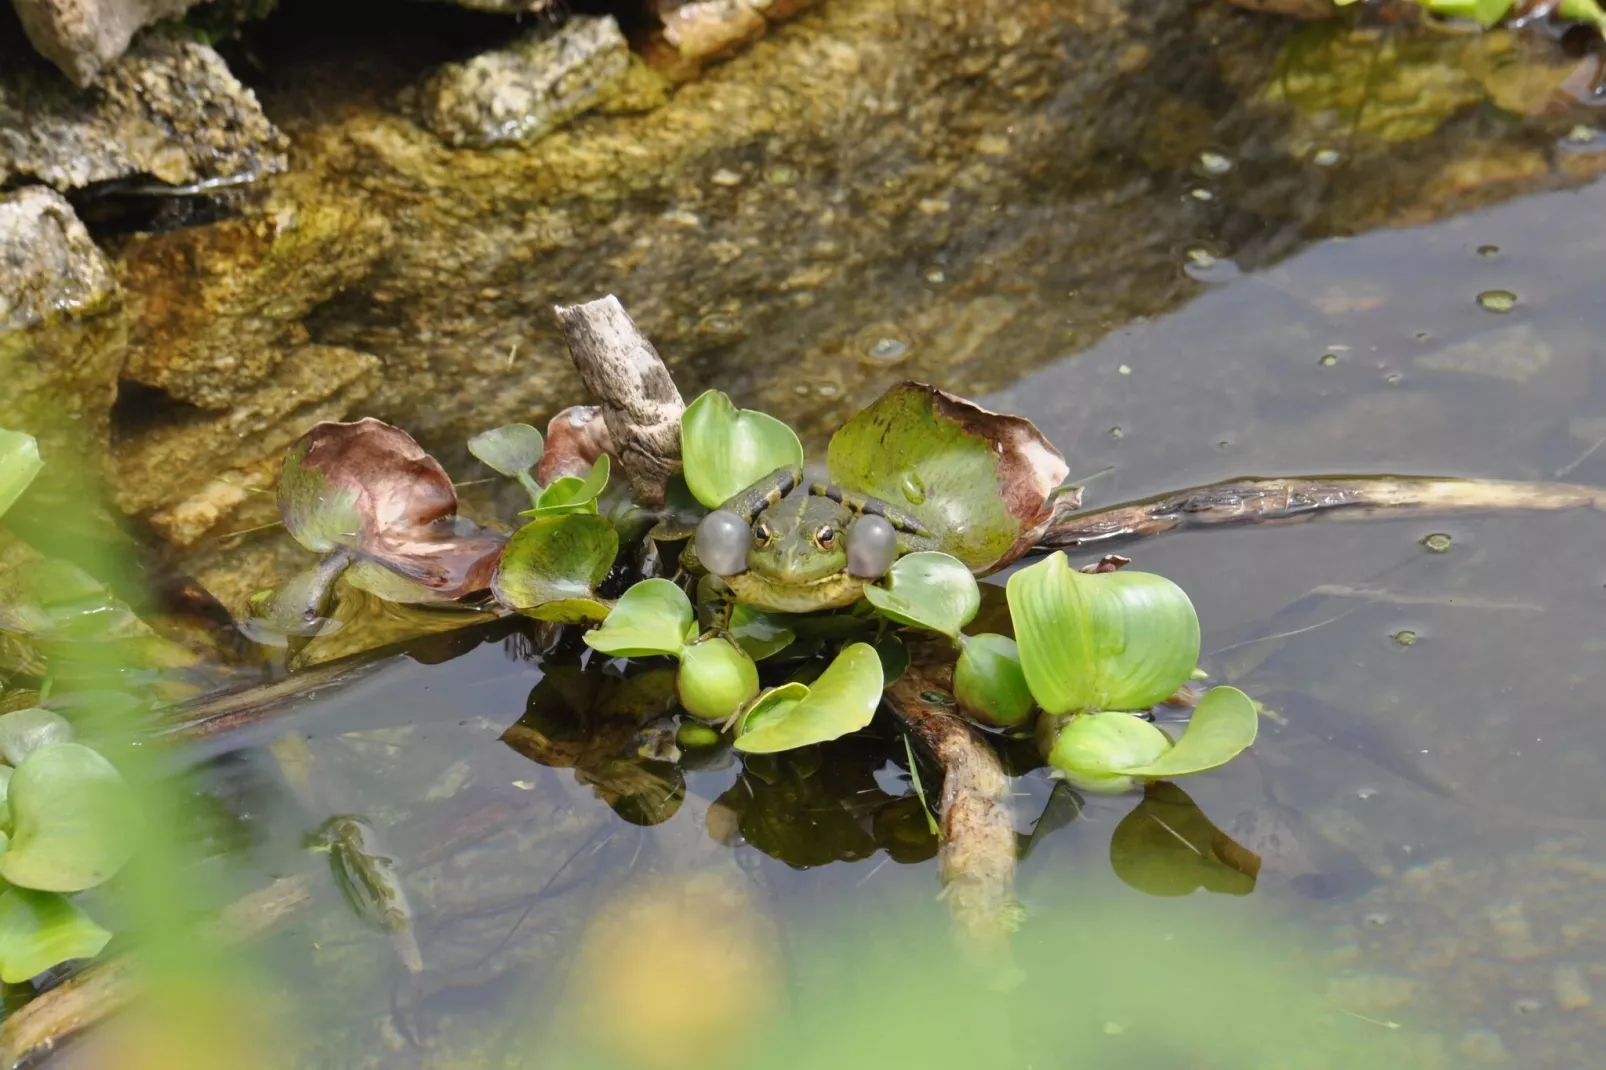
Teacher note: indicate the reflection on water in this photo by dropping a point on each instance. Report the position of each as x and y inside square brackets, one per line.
[1415, 841]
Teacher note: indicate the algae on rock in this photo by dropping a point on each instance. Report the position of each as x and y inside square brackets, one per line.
[214, 309]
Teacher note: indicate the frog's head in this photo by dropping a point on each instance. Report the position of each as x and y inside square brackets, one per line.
[799, 540]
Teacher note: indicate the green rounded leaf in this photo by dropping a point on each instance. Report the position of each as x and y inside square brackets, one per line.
[1114, 641]
[842, 699]
[40, 930]
[894, 659]
[24, 731]
[1092, 748]
[759, 633]
[73, 820]
[771, 706]
[928, 590]
[725, 449]
[510, 450]
[715, 679]
[319, 515]
[1223, 725]
[5, 804]
[571, 494]
[653, 617]
[979, 481]
[19, 463]
[989, 683]
[556, 559]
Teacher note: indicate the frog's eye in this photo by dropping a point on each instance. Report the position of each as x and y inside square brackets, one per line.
[764, 534]
[825, 538]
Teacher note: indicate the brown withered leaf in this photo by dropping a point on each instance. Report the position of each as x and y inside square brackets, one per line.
[368, 488]
[575, 438]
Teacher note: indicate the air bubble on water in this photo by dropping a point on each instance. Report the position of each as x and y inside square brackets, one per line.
[1116, 432]
[1125, 369]
[1377, 920]
[1404, 637]
[1328, 360]
[1324, 157]
[888, 349]
[1582, 135]
[1438, 542]
[1497, 301]
[1201, 194]
[1214, 163]
[1393, 378]
[1365, 791]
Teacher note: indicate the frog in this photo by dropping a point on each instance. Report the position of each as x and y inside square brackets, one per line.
[790, 545]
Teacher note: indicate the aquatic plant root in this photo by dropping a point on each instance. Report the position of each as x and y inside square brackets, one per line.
[976, 821]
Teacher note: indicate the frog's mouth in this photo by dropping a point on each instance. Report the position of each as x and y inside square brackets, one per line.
[831, 591]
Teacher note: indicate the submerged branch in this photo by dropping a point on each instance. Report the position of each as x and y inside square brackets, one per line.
[640, 403]
[976, 855]
[1286, 501]
[108, 987]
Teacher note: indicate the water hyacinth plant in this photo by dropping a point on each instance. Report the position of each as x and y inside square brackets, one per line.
[876, 560]
[68, 820]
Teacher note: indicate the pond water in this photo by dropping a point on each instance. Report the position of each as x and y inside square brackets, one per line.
[1427, 793]
[1431, 768]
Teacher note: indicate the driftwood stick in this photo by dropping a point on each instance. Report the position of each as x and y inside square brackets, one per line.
[640, 403]
[976, 854]
[107, 987]
[1283, 501]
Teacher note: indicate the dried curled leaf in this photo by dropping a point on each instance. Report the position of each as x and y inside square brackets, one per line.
[575, 438]
[369, 488]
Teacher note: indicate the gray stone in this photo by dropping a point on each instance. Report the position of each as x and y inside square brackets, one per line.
[83, 36]
[59, 346]
[519, 94]
[169, 109]
[48, 263]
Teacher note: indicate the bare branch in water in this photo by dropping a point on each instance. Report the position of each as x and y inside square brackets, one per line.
[640, 403]
[1286, 501]
[107, 988]
[975, 815]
